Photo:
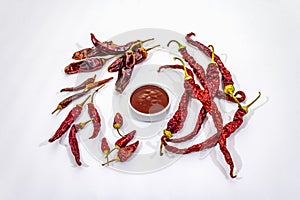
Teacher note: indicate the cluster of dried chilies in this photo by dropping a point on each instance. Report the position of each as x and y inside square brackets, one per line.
[126, 57]
[210, 82]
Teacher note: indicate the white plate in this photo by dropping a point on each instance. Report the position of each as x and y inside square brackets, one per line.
[108, 101]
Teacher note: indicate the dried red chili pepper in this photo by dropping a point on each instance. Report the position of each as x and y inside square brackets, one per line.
[123, 141]
[94, 114]
[104, 146]
[73, 140]
[89, 52]
[124, 153]
[96, 84]
[64, 103]
[71, 117]
[118, 122]
[125, 72]
[226, 75]
[81, 85]
[227, 130]
[114, 49]
[197, 68]
[87, 65]
[140, 55]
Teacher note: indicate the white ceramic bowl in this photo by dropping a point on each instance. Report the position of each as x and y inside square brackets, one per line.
[150, 117]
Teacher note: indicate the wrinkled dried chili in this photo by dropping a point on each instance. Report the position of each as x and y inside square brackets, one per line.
[71, 117]
[94, 114]
[80, 86]
[73, 140]
[124, 153]
[87, 65]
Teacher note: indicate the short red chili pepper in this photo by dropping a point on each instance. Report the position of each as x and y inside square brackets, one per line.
[87, 65]
[104, 146]
[123, 141]
[124, 153]
[71, 117]
[80, 86]
[118, 122]
[94, 114]
[73, 140]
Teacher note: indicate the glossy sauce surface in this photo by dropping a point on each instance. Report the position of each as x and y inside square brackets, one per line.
[149, 99]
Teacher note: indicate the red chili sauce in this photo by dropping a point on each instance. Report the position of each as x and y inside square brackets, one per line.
[149, 99]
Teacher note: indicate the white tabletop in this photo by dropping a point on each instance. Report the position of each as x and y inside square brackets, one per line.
[260, 39]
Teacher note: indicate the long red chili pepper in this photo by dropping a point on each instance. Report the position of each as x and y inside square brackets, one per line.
[71, 117]
[96, 84]
[124, 153]
[81, 85]
[64, 103]
[226, 75]
[94, 114]
[114, 49]
[227, 130]
[197, 68]
[73, 140]
[87, 65]
[89, 52]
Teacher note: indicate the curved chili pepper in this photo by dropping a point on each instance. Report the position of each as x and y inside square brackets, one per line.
[114, 49]
[94, 114]
[81, 85]
[73, 140]
[240, 96]
[64, 103]
[124, 153]
[87, 65]
[118, 122]
[89, 52]
[71, 117]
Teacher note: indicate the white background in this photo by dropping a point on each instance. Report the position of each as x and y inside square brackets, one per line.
[261, 41]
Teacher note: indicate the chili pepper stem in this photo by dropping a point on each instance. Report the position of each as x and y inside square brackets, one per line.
[81, 104]
[150, 39]
[152, 47]
[212, 54]
[110, 152]
[59, 107]
[83, 124]
[92, 98]
[118, 130]
[116, 159]
[186, 75]
[180, 46]
[245, 108]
